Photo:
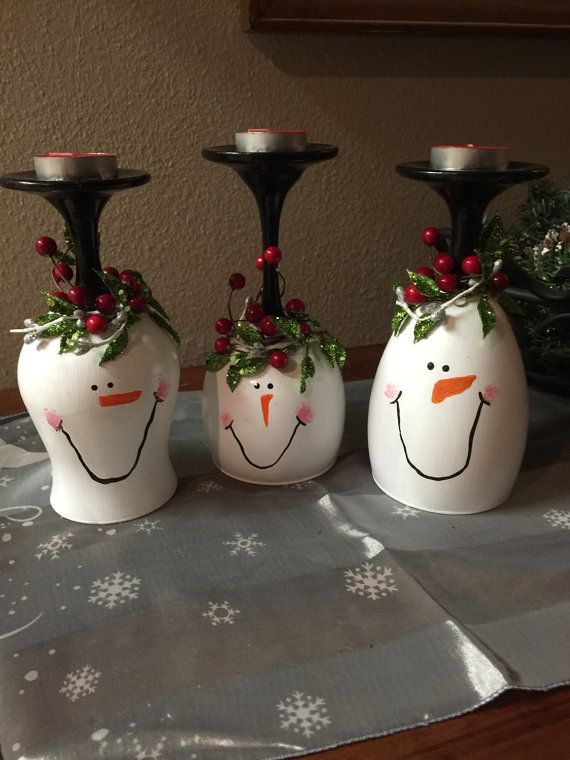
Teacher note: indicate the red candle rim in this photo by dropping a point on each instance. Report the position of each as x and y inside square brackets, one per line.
[280, 131]
[473, 147]
[74, 155]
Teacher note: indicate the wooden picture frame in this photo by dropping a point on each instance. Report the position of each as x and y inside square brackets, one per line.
[475, 17]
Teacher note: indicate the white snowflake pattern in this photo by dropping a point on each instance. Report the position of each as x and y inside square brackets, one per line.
[300, 486]
[557, 518]
[370, 580]
[220, 612]
[404, 511]
[303, 714]
[4, 480]
[55, 546]
[114, 589]
[80, 683]
[246, 544]
[208, 486]
[142, 752]
[148, 526]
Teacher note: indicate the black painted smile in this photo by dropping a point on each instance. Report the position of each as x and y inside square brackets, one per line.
[265, 466]
[482, 402]
[118, 478]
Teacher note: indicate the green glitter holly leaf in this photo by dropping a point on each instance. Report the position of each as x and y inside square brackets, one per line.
[425, 285]
[115, 287]
[116, 347]
[62, 257]
[328, 349]
[398, 319]
[154, 304]
[62, 328]
[307, 370]
[215, 361]
[58, 305]
[161, 322]
[247, 333]
[487, 314]
[423, 329]
[146, 292]
[290, 328]
[69, 339]
[340, 353]
[245, 367]
[490, 245]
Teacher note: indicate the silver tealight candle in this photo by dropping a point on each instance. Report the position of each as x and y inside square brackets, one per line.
[469, 157]
[73, 166]
[271, 140]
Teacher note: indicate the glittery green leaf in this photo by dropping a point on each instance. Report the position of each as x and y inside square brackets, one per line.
[69, 244]
[233, 377]
[307, 370]
[490, 244]
[215, 361]
[487, 314]
[62, 257]
[58, 305]
[246, 366]
[161, 322]
[340, 353]
[114, 286]
[154, 304]
[289, 327]
[425, 285]
[115, 348]
[67, 343]
[422, 329]
[398, 319]
[62, 328]
[145, 289]
[328, 349]
[247, 333]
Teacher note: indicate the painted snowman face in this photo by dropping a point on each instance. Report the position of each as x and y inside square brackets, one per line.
[104, 427]
[448, 415]
[266, 431]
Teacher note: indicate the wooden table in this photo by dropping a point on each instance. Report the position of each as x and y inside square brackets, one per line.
[520, 725]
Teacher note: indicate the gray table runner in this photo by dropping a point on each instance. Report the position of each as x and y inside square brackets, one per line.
[253, 622]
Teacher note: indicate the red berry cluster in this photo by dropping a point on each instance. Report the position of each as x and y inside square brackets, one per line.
[442, 271]
[105, 303]
[255, 315]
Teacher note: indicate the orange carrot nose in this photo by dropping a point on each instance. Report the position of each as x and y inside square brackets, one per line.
[451, 386]
[265, 399]
[114, 399]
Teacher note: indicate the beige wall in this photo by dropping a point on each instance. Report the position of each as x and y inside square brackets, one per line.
[154, 80]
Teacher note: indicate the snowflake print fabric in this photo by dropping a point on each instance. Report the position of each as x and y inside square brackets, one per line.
[114, 589]
[263, 623]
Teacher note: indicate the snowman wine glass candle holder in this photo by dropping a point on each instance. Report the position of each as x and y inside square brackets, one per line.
[273, 401]
[448, 412]
[99, 367]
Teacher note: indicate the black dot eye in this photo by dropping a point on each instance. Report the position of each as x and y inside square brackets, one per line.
[445, 368]
[270, 385]
[430, 365]
[110, 385]
[256, 385]
[94, 387]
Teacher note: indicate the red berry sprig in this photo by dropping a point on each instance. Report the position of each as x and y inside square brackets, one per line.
[471, 265]
[413, 295]
[278, 359]
[447, 283]
[431, 236]
[272, 255]
[443, 263]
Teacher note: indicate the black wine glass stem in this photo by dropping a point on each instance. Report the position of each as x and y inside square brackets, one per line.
[81, 212]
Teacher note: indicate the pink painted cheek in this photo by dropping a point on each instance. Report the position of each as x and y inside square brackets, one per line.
[53, 418]
[491, 392]
[163, 388]
[226, 419]
[305, 413]
[391, 391]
